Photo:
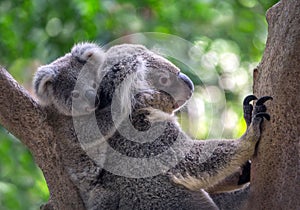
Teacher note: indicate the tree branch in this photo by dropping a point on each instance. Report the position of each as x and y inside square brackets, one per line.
[33, 125]
[20, 114]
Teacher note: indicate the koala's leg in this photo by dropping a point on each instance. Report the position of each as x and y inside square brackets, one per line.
[248, 109]
[100, 198]
[210, 161]
[233, 200]
[93, 194]
[236, 180]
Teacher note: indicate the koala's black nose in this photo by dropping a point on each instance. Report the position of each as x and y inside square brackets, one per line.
[91, 96]
[187, 81]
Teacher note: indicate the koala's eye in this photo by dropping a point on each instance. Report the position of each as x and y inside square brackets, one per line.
[164, 81]
[75, 94]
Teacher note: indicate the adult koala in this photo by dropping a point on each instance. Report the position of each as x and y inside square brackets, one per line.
[146, 160]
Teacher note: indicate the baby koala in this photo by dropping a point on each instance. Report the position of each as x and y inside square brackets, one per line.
[70, 82]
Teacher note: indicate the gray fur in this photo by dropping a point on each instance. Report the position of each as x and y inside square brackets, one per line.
[54, 83]
[144, 89]
[233, 200]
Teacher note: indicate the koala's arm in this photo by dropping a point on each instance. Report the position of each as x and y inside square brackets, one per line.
[208, 162]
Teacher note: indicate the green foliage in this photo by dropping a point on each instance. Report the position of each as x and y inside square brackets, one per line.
[22, 185]
[230, 37]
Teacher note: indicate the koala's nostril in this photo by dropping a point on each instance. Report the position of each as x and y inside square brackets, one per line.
[187, 81]
[91, 96]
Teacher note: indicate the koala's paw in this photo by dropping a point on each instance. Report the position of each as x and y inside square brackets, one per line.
[259, 109]
[259, 112]
[88, 52]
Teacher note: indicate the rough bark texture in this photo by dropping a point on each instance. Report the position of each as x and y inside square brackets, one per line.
[275, 181]
[26, 120]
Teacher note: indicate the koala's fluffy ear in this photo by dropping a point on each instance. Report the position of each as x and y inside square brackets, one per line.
[88, 52]
[43, 84]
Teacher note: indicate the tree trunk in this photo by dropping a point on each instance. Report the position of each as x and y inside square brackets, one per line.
[275, 180]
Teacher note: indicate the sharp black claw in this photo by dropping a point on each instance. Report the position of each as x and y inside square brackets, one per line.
[263, 115]
[262, 100]
[248, 99]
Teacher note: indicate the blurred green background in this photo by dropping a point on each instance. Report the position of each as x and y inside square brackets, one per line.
[230, 34]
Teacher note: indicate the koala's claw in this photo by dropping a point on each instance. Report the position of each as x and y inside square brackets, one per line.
[263, 115]
[262, 100]
[259, 109]
[248, 99]
[259, 106]
[248, 108]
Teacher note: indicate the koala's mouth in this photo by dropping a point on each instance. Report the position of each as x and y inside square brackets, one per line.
[90, 109]
[181, 99]
[179, 103]
[88, 106]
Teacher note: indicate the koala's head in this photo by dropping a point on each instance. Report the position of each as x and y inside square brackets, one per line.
[134, 77]
[70, 82]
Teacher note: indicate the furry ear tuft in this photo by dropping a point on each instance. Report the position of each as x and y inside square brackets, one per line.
[88, 52]
[43, 84]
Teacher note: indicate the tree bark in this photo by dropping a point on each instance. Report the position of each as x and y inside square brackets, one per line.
[37, 129]
[275, 175]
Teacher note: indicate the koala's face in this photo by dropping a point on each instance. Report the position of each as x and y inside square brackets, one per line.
[142, 79]
[70, 82]
[170, 91]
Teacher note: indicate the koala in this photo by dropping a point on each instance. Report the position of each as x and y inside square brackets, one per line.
[148, 161]
[56, 84]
